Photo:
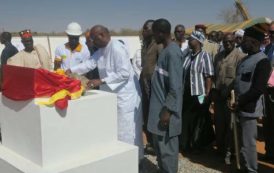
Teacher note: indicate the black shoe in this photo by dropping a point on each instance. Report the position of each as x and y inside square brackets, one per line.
[267, 158]
[241, 171]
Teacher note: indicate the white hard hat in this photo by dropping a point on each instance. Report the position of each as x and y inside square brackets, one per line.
[74, 29]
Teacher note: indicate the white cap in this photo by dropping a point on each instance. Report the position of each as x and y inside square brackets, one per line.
[239, 33]
[74, 29]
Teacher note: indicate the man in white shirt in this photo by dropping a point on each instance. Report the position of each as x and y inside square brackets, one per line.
[73, 52]
[32, 56]
[179, 33]
[116, 76]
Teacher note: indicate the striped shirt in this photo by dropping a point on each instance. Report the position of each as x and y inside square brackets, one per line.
[201, 67]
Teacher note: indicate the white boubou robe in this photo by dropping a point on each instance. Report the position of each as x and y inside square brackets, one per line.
[115, 69]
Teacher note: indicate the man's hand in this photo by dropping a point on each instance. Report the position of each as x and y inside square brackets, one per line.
[94, 83]
[232, 106]
[165, 117]
[68, 72]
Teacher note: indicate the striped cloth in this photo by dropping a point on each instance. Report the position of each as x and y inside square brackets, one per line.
[201, 67]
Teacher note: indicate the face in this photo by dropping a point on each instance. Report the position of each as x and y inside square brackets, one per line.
[271, 33]
[97, 38]
[238, 40]
[213, 36]
[201, 30]
[147, 30]
[193, 43]
[28, 43]
[249, 44]
[220, 36]
[73, 41]
[179, 33]
[158, 36]
[229, 43]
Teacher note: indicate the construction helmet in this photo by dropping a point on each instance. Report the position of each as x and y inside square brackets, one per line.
[74, 29]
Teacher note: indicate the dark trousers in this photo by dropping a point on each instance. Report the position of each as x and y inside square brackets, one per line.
[167, 151]
[197, 130]
[145, 88]
[268, 123]
[223, 126]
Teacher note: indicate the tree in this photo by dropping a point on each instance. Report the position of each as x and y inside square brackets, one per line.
[233, 15]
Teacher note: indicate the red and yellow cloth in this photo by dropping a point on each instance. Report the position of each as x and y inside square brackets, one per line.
[21, 83]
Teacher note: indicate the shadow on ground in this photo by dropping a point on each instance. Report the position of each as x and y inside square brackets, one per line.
[211, 159]
[148, 166]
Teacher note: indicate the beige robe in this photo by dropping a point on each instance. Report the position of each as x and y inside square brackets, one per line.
[38, 58]
[211, 48]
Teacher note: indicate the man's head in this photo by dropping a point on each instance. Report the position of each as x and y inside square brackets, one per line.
[5, 37]
[74, 31]
[196, 40]
[89, 43]
[220, 36]
[100, 36]
[147, 33]
[161, 30]
[213, 36]
[271, 32]
[266, 40]
[26, 39]
[229, 42]
[179, 33]
[252, 40]
[239, 36]
[201, 28]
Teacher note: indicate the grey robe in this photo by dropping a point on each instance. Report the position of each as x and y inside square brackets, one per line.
[167, 91]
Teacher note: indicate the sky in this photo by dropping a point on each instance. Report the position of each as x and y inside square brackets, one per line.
[55, 15]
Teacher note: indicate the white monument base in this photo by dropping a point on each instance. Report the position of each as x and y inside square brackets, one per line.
[115, 157]
[80, 139]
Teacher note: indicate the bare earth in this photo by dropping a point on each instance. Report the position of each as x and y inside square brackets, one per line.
[209, 161]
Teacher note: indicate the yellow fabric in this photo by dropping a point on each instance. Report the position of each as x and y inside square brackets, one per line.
[77, 49]
[60, 72]
[60, 95]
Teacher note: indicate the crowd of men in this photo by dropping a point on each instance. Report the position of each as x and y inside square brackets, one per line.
[168, 93]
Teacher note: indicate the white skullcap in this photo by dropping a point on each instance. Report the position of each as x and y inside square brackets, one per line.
[239, 33]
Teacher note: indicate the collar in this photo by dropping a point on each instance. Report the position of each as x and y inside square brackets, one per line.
[77, 49]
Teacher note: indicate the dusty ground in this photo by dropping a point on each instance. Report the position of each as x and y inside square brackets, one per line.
[207, 162]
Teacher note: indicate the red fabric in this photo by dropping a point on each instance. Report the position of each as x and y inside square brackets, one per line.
[62, 103]
[21, 83]
[25, 34]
